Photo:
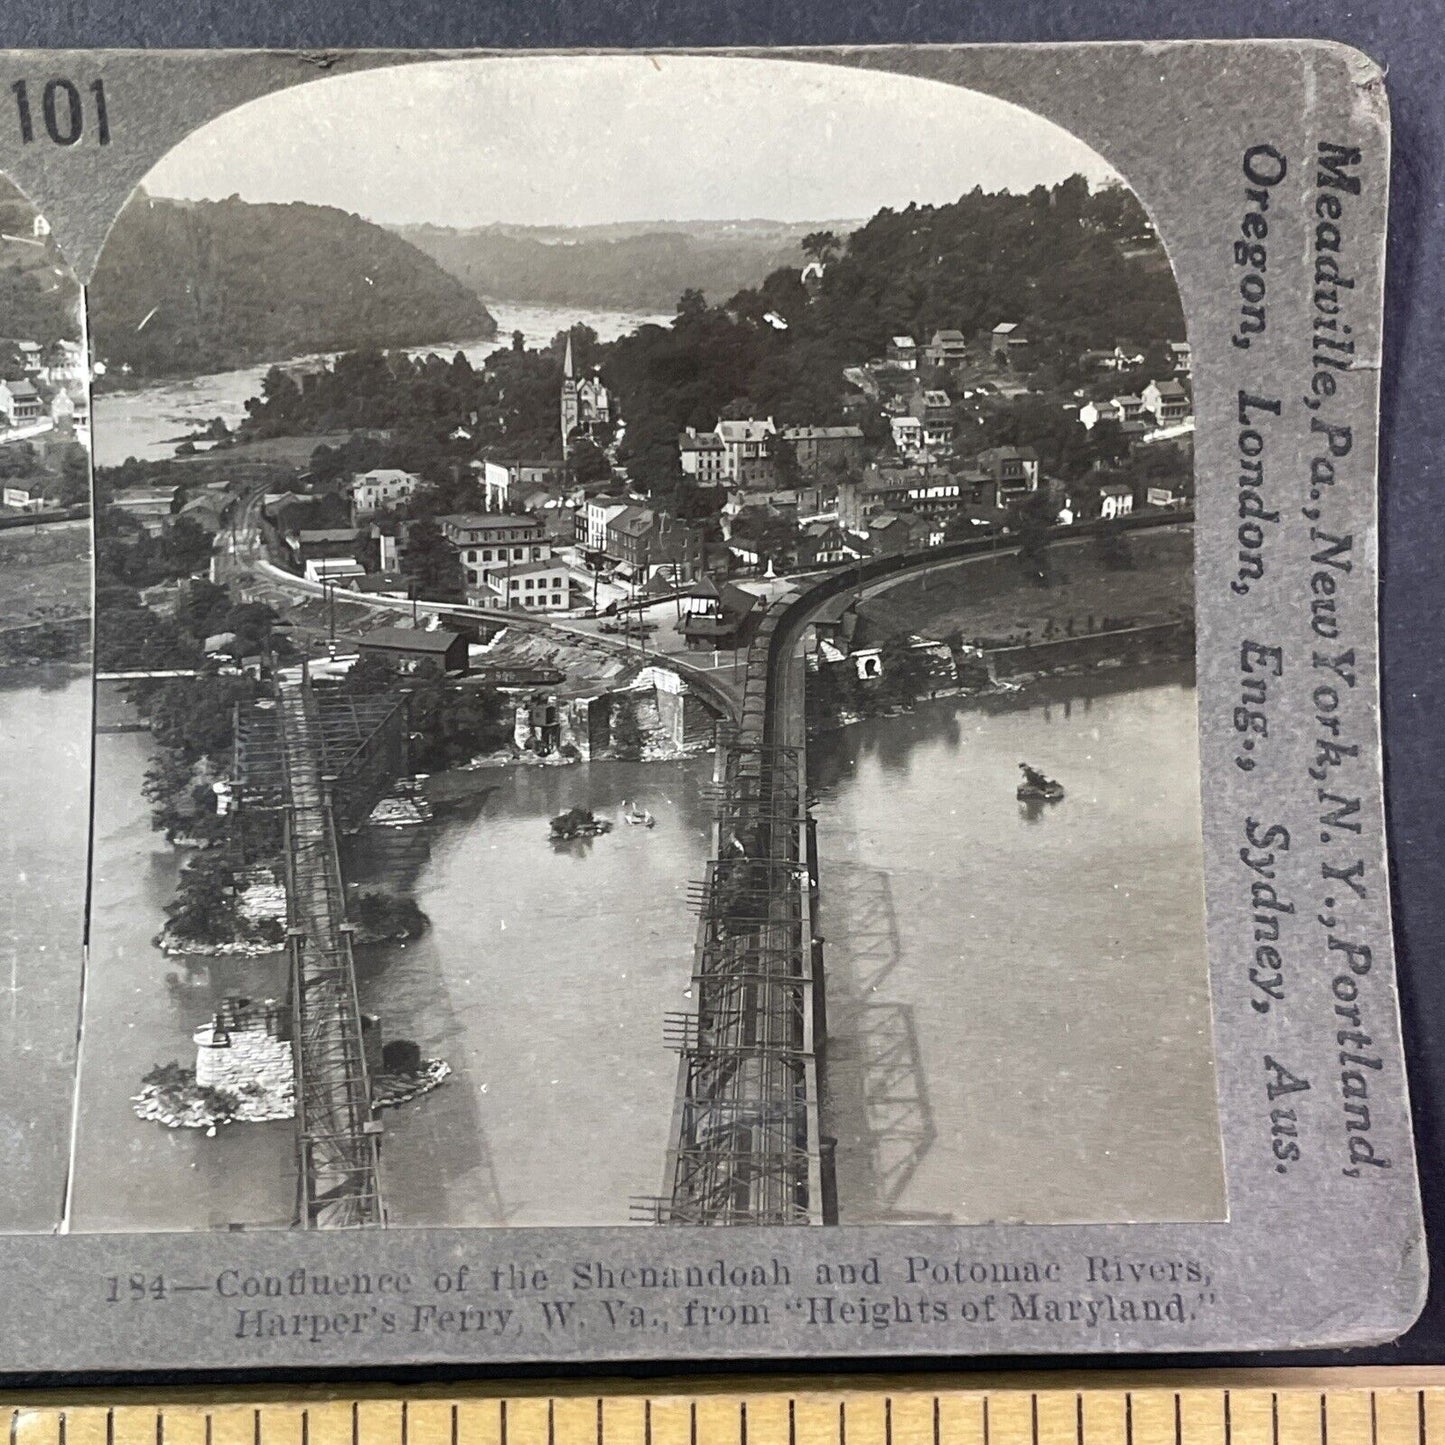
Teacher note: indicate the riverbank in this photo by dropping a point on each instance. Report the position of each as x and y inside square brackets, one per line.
[142, 417]
[993, 600]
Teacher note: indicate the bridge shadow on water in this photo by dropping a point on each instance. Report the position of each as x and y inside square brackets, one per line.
[437, 1164]
[875, 1100]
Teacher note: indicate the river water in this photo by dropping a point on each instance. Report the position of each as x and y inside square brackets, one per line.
[141, 1009]
[147, 422]
[543, 981]
[45, 731]
[1017, 1000]
[1019, 1023]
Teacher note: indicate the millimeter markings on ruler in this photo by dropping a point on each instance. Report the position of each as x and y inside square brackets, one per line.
[1344, 1407]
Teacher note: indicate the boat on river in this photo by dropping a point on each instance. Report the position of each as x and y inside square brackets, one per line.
[638, 817]
[1036, 788]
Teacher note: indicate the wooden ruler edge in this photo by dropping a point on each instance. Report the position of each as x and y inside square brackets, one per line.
[830, 1387]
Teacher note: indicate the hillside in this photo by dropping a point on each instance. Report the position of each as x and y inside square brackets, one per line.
[621, 267]
[39, 298]
[189, 287]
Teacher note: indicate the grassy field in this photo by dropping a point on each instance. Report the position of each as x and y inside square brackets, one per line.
[44, 573]
[992, 597]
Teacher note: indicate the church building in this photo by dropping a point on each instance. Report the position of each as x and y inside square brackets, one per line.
[586, 406]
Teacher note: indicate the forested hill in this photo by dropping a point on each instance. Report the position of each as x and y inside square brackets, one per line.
[631, 267]
[186, 287]
[39, 297]
[1074, 268]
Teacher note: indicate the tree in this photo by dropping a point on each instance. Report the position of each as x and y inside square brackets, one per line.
[431, 562]
[905, 671]
[588, 462]
[691, 307]
[73, 488]
[186, 547]
[821, 246]
[1030, 520]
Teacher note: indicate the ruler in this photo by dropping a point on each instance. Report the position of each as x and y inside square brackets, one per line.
[1294, 1407]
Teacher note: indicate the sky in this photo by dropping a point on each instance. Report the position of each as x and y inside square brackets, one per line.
[582, 140]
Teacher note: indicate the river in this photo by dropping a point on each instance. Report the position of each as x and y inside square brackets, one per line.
[45, 729]
[543, 981]
[1018, 1007]
[146, 423]
[1017, 999]
[141, 1009]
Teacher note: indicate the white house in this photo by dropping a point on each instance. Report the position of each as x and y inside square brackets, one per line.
[333, 569]
[380, 487]
[907, 433]
[903, 352]
[747, 442]
[19, 402]
[703, 456]
[593, 518]
[1166, 401]
[542, 586]
[1116, 499]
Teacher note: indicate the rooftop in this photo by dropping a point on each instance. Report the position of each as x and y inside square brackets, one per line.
[316, 536]
[822, 433]
[385, 474]
[752, 429]
[528, 569]
[632, 521]
[486, 521]
[409, 639]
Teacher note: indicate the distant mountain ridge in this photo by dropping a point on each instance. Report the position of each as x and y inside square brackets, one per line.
[185, 287]
[618, 266]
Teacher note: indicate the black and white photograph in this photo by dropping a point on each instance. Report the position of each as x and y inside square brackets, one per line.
[45, 706]
[645, 665]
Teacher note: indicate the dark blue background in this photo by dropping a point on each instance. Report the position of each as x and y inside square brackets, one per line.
[1407, 38]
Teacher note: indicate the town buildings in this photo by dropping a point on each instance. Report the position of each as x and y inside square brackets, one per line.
[703, 457]
[417, 650]
[640, 541]
[825, 449]
[1166, 401]
[541, 586]
[903, 351]
[382, 487]
[19, 402]
[748, 445]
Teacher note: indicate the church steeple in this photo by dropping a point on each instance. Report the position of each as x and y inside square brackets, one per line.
[571, 409]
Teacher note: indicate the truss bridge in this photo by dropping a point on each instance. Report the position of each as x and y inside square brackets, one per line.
[746, 1146]
[320, 763]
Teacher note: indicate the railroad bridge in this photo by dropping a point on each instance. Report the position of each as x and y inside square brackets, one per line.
[317, 764]
[746, 1143]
